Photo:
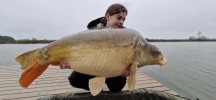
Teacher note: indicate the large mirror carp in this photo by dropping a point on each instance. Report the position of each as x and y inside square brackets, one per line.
[102, 53]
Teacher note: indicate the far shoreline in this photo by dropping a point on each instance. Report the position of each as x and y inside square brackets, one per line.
[149, 40]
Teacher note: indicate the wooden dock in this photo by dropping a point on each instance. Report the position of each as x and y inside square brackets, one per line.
[54, 81]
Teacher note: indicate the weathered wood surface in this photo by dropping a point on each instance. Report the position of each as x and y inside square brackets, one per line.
[54, 81]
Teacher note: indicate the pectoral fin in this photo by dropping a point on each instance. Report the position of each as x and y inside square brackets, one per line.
[132, 77]
[96, 85]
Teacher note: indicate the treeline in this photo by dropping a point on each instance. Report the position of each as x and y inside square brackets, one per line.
[200, 37]
[10, 40]
[33, 40]
[6, 39]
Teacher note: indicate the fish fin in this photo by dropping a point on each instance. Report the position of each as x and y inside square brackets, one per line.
[33, 71]
[96, 85]
[25, 58]
[132, 77]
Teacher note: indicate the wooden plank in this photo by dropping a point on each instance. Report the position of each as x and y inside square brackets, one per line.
[171, 92]
[55, 81]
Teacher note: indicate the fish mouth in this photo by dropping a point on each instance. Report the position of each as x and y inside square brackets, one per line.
[162, 61]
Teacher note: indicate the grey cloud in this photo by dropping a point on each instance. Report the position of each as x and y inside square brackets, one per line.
[53, 19]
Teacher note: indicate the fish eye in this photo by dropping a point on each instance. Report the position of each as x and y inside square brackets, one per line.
[155, 50]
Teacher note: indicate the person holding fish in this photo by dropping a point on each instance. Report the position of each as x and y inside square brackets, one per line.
[101, 55]
[114, 18]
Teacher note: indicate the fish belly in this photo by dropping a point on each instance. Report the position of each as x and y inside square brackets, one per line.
[108, 62]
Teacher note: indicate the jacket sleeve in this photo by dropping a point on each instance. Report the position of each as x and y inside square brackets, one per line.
[93, 24]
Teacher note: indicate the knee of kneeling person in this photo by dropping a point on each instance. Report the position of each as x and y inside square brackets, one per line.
[78, 84]
[116, 84]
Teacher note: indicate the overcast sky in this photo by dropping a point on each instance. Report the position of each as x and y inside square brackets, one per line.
[54, 19]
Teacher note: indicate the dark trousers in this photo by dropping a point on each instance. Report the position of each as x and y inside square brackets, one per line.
[80, 80]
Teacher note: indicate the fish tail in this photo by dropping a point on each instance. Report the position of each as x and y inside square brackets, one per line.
[26, 58]
[32, 69]
[31, 73]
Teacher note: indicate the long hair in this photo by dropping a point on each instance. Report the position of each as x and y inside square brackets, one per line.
[113, 9]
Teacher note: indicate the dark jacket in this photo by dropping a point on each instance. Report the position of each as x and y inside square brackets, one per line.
[95, 23]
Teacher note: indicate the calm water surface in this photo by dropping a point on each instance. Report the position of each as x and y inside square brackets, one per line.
[191, 70]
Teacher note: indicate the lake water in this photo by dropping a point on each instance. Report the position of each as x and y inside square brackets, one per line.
[191, 70]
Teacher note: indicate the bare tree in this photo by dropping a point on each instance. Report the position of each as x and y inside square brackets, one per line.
[199, 34]
[192, 38]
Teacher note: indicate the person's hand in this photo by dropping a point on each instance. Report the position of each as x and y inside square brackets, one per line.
[64, 64]
[126, 72]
